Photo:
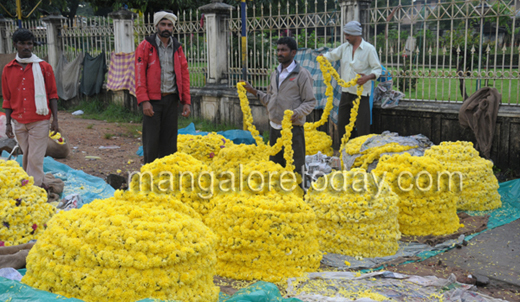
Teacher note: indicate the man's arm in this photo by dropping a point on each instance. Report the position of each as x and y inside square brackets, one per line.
[307, 97]
[52, 95]
[186, 97]
[8, 126]
[54, 111]
[141, 63]
[262, 96]
[336, 53]
[6, 105]
[375, 65]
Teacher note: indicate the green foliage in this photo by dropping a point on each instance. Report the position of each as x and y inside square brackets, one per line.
[98, 110]
[205, 125]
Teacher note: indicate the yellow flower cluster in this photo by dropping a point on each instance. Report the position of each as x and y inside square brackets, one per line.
[371, 154]
[423, 208]
[266, 237]
[24, 210]
[479, 184]
[265, 230]
[179, 175]
[356, 215]
[57, 137]
[317, 141]
[353, 146]
[203, 147]
[126, 248]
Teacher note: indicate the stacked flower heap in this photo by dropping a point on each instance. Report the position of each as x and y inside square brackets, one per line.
[57, 137]
[24, 210]
[472, 176]
[126, 248]
[265, 230]
[356, 214]
[424, 209]
[181, 176]
[203, 147]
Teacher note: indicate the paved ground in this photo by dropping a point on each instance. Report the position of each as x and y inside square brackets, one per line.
[494, 253]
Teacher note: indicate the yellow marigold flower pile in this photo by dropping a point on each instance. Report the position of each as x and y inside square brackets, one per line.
[57, 137]
[266, 237]
[126, 248]
[265, 230]
[24, 210]
[370, 155]
[423, 208]
[203, 147]
[356, 214]
[181, 176]
[479, 184]
[317, 141]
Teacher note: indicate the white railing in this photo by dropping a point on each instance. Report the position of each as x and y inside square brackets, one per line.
[442, 50]
[91, 35]
[315, 24]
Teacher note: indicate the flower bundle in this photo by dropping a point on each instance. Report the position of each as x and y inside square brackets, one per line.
[24, 210]
[317, 141]
[424, 208]
[203, 147]
[368, 156]
[57, 137]
[126, 248]
[265, 230]
[356, 214]
[181, 176]
[266, 237]
[471, 176]
[247, 115]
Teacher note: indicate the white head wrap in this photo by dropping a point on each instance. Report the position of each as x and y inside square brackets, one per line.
[158, 16]
[353, 28]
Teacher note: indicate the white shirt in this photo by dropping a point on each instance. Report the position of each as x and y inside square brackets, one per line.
[283, 74]
[365, 61]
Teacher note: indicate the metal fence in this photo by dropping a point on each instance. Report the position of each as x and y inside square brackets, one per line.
[314, 24]
[38, 28]
[443, 50]
[190, 31]
[93, 35]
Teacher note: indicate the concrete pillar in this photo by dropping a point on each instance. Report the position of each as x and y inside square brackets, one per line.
[216, 14]
[355, 10]
[54, 42]
[3, 36]
[123, 30]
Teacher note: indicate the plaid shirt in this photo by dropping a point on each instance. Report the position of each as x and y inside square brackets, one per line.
[307, 59]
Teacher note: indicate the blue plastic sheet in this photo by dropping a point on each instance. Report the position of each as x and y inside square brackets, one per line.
[89, 187]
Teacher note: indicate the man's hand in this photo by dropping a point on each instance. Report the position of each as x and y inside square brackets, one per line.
[364, 78]
[250, 88]
[9, 130]
[186, 110]
[295, 117]
[147, 109]
[54, 126]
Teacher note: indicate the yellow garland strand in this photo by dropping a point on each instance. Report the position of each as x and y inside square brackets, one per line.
[248, 117]
[372, 154]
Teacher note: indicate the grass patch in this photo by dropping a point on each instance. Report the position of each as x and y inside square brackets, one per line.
[108, 136]
[205, 125]
[1, 102]
[90, 126]
[96, 109]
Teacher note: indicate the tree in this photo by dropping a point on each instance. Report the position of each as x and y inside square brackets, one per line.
[66, 8]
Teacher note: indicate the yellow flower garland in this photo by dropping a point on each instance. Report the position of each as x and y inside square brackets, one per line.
[479, 184]
[423, 209]
[355, 217]
[374, 153]
[24, 210]
[126, 248]
[248, 116]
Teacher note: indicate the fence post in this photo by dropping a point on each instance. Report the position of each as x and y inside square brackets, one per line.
[54, 42]
[3, 35]
[123, 30]
[355, 10]
[216, 30]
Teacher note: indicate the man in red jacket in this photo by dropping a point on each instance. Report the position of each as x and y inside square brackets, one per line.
[162, 80]
[30, 98]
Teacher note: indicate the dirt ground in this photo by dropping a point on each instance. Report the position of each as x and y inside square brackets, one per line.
[86, 136]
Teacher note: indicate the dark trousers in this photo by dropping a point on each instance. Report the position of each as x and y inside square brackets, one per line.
[298, 145]
[362, 125]
[160, 130]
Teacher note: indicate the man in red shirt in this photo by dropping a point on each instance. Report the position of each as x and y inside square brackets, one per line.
[30, 96]
[162, 80]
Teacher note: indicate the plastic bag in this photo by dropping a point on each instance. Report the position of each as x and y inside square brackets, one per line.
[69, 202]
